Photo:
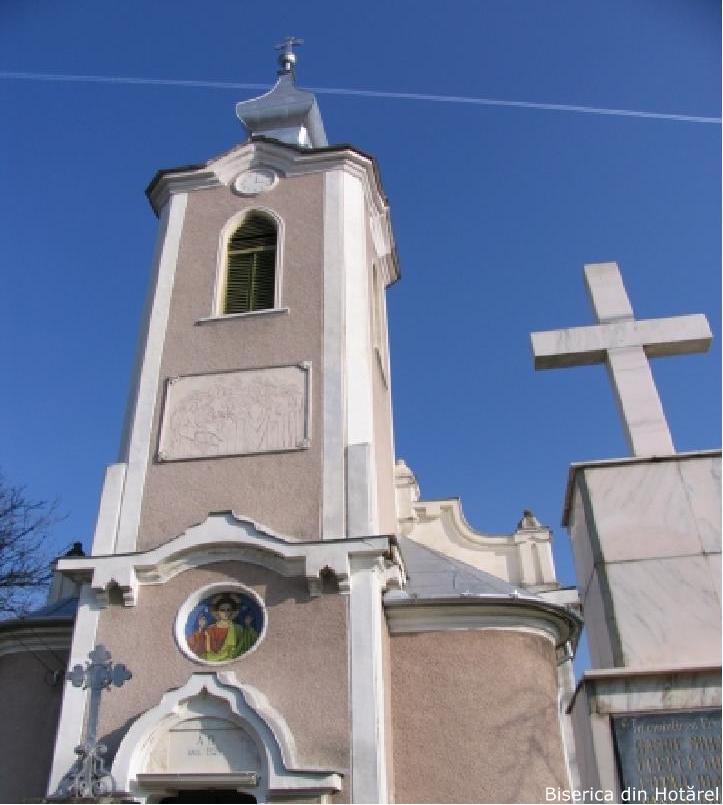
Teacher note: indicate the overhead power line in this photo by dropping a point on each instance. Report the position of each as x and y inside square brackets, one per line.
[365, 93]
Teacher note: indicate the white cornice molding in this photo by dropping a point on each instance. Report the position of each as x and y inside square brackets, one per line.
[405, 616]
[223, 536]
[617, 690]
[221, 695]
[184, 182]
[288, 161]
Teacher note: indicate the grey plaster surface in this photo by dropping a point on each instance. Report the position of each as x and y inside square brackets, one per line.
[28, 723]
[281, 490]
[475, 717]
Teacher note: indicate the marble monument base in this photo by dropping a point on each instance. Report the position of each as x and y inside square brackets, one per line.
[646, 536]
[643, 735]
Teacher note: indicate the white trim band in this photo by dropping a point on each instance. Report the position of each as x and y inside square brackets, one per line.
[224, 537]
[333, 506]
[144, 404]
[478, 613]
[368, 755]
[72, 714]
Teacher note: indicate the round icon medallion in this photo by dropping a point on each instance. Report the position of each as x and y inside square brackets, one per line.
[221, 624]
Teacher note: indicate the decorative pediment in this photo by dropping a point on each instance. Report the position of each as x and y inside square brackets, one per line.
[522, 558]
[221, 537]
[215, 730]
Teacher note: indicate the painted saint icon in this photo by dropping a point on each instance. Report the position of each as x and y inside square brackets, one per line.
[224, 626]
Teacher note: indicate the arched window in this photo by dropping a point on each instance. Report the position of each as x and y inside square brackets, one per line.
[251, 266]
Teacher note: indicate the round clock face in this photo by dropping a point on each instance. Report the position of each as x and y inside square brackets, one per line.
[254, 181]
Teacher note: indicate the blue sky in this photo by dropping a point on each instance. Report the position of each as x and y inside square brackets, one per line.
[495, 211]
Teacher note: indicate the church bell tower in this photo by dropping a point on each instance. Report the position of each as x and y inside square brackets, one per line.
[254, 496]
[299, 625]
[263, 382]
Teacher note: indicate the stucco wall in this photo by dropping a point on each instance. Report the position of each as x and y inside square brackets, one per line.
[281, 490]
[29, 711]
[300, 666]
[475, 717]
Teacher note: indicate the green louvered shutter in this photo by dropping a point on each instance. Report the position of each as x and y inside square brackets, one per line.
[251, 266]
[262, 282]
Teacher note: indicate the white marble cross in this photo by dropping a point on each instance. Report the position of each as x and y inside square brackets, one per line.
[625, 345]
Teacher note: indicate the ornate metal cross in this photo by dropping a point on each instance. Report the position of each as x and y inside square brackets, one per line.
[287, 58]
[88, 779]
[625, 344]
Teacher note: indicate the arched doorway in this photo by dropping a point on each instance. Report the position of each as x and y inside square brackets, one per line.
[213, 740]
[209, 795]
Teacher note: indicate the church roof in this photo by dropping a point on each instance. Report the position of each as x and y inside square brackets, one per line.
[286, 113]
[63, 609]
[433, 575]
[435, 580]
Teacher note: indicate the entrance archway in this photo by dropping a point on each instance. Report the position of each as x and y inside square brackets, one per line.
[209, 795]
[214, 740]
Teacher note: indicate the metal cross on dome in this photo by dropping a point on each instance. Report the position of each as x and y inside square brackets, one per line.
[88, 779]
[287, 58]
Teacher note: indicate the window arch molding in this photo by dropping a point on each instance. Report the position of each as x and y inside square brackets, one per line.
[227, 232]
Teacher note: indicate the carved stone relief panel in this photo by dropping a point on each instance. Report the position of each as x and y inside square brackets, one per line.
[236, 413]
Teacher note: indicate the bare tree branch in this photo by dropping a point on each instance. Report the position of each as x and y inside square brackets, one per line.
[24, 557]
